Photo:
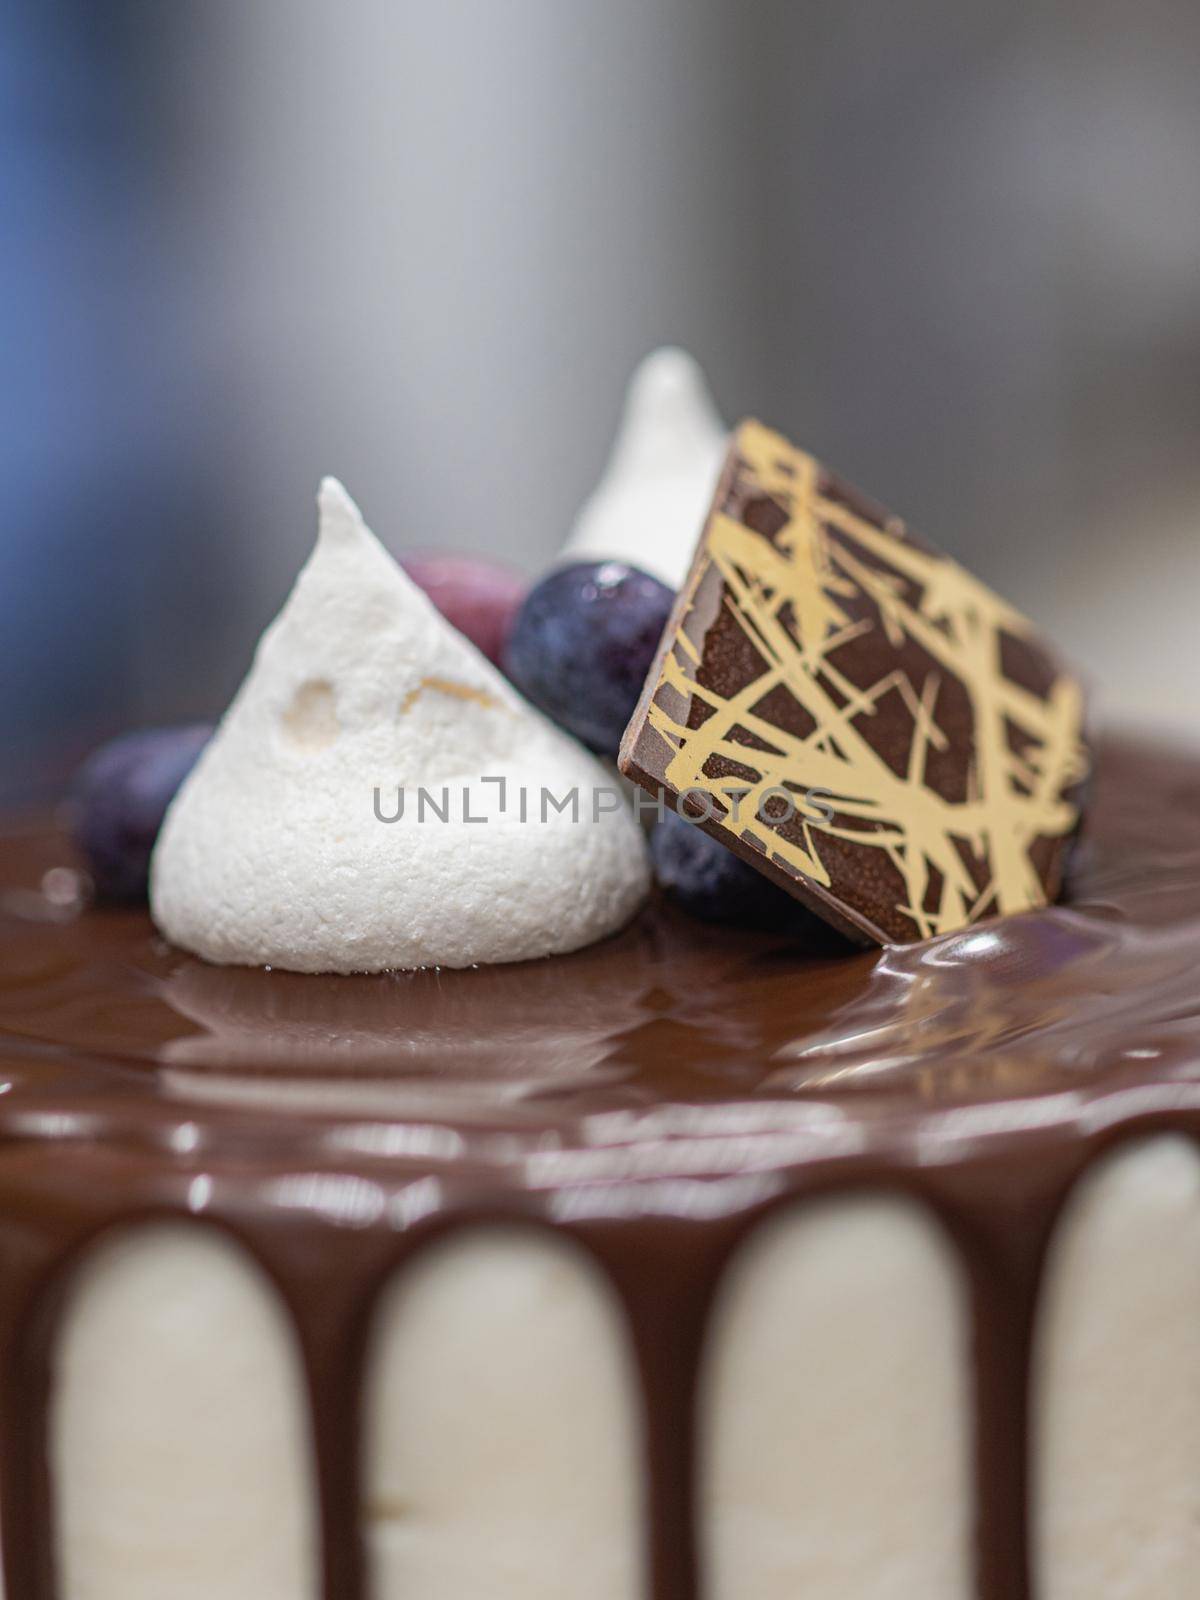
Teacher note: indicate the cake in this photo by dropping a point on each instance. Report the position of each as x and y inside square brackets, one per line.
[682, 1255]
[448, 1215]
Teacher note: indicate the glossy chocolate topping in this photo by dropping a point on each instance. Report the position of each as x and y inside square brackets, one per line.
[653, 1096]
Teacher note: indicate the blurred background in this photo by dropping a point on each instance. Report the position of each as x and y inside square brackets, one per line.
[952, 247]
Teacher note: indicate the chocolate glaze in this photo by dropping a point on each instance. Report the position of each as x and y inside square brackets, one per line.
[652, 1097]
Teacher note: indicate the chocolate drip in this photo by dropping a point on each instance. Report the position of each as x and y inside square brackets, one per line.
[651, 1097]
[1002, 1249]
[666, 1277]
[332, 1335]
[25, 1487]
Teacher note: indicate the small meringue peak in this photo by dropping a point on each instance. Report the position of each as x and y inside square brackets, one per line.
[650, 504]
[301, 840]
[338, 517]
[669, 417]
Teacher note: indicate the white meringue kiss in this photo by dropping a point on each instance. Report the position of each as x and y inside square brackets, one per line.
[649, 507]
[273, 852]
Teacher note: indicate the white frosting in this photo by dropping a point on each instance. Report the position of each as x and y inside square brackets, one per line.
[273, 852]
[178, 1434]
[649, 507]
[834, 1414]
[502, 1422]
[1116, 1413]
[835, 1411]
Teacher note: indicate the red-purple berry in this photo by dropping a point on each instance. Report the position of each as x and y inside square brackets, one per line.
[476, 596]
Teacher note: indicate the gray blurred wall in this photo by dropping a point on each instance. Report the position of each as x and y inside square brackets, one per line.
[952, 246]
[955, 247]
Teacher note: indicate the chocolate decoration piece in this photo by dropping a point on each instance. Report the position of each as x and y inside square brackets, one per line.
[592, 1094]
[856, 715]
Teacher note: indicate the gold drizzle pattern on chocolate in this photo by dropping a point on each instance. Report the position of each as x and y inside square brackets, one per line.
[819, 645]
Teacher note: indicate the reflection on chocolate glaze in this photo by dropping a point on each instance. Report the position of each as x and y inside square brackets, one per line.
[653, 1096]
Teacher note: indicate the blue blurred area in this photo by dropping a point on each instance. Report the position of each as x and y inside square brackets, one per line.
[95, 464]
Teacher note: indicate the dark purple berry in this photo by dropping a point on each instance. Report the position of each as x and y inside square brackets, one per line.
[707, 880]
[119, 798]
[582, 645]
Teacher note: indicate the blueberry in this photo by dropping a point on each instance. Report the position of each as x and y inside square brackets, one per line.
[476, 596]
[119, 798]
[582, 645]
[706, 879]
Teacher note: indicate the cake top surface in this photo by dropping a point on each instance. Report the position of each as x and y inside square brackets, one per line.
[674, 1051]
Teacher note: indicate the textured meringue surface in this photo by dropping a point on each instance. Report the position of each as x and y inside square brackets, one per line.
[339, 820]
[649, 507]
